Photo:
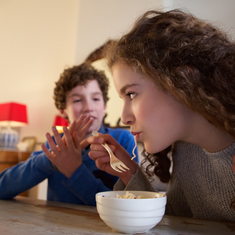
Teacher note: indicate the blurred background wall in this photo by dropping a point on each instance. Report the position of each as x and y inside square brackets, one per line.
[39, 38]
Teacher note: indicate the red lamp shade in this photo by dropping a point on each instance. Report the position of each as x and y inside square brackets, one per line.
[59, 122]
[13, 114]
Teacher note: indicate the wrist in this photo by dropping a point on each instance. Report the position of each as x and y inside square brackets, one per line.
[71, 171]
[126, 176]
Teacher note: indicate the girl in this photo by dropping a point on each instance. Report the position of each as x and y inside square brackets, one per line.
[176, 77]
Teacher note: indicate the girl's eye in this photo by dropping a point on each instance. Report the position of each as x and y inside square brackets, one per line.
[131, 95]
[96, 99]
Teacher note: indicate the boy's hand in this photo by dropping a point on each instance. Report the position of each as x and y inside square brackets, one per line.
[66, 155]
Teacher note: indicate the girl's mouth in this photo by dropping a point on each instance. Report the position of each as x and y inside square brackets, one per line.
[136, 134]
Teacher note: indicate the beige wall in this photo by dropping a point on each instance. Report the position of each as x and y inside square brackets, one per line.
[38, 39]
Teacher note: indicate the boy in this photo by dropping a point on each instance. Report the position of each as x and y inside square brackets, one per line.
[74, 178]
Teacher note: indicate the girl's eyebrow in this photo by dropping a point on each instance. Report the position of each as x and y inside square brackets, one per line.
[123, 89]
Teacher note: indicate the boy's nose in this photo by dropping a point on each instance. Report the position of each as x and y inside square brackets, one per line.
[87, 106]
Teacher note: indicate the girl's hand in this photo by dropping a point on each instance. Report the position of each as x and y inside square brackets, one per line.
[101, 157]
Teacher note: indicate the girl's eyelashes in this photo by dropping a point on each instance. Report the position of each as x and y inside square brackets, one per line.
[131, 95]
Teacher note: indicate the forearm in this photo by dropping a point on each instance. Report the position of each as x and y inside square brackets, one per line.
[85, 185]
[23, 176]
[138, 182]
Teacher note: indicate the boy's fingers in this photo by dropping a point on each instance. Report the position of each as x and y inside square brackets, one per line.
[84, 144]
[81, 122]
[58, 138]
[84, 129]
[51, 142]
[67, 136]
[47, 152]
[72, 127]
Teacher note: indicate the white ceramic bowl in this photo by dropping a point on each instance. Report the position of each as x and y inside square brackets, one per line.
[130, 215]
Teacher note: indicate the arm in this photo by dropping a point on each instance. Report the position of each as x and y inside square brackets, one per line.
[68, 159]
[85, 185]
[24, 175]
[138, 182]
[105, 181]
[66, 154]
[101, 157]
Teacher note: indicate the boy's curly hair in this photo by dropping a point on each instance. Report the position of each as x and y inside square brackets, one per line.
[78, 75]
[188, 58]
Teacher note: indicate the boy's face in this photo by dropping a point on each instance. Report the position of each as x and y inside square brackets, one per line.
[86, 99]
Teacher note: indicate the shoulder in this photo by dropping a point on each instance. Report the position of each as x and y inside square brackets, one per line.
[122, 135]
[118, 132]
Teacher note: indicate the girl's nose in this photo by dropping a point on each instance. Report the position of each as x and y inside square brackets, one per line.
[127, 117]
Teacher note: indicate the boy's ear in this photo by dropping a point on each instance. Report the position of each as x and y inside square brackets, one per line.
[63, 113]
[105, 109]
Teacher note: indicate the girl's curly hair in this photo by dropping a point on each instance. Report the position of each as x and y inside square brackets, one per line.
[188, 58]
[78, 75]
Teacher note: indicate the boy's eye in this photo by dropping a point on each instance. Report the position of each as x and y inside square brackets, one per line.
[75, 101]
[96, 99]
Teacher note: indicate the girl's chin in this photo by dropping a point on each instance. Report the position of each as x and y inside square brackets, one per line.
[150, 149]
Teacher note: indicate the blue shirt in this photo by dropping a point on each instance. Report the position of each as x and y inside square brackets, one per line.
[80, 188]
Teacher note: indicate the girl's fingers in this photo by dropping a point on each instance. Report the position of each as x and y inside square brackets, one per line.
[95, 139]
[96, 155]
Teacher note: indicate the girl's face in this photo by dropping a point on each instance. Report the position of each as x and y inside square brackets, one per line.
[155, 117]
[86, 99]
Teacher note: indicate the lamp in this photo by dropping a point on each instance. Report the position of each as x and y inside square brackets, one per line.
[59, 122]
[11, 115]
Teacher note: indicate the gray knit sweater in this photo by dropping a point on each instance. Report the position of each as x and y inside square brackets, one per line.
[202, 184]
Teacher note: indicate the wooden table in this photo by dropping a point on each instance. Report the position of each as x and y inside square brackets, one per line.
[31, 217]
